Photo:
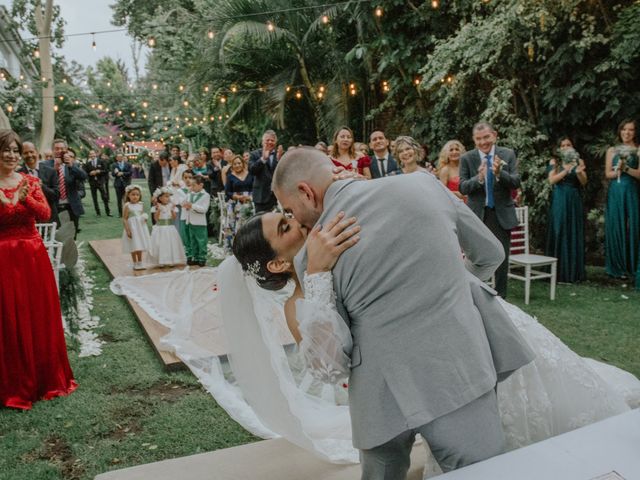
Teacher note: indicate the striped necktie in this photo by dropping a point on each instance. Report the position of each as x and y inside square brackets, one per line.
[62, 186]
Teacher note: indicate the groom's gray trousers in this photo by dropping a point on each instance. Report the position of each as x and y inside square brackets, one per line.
[467, 435]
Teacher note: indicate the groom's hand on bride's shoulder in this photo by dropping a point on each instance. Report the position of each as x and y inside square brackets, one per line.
[326, 243]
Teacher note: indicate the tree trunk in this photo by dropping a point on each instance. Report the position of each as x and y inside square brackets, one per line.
[311, 95]
[5, 123]
[43, 24]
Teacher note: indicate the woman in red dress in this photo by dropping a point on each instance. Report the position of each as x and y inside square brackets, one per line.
[449, 164]
[33, 353]
[345, 155]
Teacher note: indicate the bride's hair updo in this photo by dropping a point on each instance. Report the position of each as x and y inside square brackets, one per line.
[253, 251]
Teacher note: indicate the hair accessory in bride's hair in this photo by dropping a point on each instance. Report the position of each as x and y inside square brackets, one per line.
[253, 270]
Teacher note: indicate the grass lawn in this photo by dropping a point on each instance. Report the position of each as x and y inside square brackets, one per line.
[128, 410]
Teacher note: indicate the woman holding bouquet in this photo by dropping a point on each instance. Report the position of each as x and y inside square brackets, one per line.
[565, 230]
[622, 220]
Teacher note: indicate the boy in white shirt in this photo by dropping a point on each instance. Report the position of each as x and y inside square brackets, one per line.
[196, 206]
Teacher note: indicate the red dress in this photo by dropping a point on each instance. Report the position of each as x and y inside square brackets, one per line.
[453, 184]
[33, 352]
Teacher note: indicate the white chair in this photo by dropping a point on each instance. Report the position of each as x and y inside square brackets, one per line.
[55, 254]
[520, 258]
[47, 231]
[222, 205]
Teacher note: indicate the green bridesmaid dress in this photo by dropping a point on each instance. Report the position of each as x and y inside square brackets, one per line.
[565, 230]
[622, 224]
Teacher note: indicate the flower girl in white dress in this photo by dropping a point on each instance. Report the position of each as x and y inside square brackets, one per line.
[166, 244]
[135, 238]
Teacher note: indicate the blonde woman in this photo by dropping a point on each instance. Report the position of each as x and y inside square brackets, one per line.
[407, 151]
[449, 166]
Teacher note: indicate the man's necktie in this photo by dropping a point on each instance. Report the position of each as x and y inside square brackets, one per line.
[62, 186]
[490, 181]
[383, 172]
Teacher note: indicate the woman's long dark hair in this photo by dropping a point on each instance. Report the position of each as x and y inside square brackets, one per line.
[253, 251]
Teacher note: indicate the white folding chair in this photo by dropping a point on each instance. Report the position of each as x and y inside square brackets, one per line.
[520, 258]
[222, 205]
[55, 254]
[47, 231]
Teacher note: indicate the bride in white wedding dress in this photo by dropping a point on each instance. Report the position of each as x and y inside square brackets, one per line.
[265, 387]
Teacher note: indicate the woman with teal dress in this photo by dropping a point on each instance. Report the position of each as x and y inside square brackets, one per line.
[622, 219]
[565, 231]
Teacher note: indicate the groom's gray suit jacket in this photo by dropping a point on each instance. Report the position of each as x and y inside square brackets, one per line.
[420, 345]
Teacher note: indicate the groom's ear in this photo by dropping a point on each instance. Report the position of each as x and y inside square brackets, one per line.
[305, 190]
[278, 265]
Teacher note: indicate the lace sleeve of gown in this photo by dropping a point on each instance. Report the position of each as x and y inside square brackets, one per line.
[326, 339]
[36, 202]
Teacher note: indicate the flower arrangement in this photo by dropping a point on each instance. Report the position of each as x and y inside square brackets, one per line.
[569, 156]
[626, 156]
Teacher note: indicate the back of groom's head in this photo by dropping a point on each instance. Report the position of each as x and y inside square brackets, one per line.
[302, 164]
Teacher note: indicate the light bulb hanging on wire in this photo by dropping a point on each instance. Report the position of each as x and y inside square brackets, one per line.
[93, 42]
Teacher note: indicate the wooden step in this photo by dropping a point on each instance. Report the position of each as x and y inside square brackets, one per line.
[265, 460]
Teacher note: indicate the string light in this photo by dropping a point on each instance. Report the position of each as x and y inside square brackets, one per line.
[181, 88]
[325, 19]
[378, 12]
[385, 86]
[352, 88]
[416, 81]
[151, 41]
[270, 26]
[223, 99]
[234, 89]
[185, 103]
[145, 104]
[9, 108]
[154, 86]
[210, 34]
[298, 95]
[435, 3]
[55, 108]
[93, 42]
[36, 53]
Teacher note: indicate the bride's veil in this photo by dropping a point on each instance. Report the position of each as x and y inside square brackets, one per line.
[251, 316]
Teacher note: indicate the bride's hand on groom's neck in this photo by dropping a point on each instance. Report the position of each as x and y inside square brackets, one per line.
[326, 243]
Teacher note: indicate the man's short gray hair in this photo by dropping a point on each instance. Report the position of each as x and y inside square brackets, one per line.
[269, 133]
[481, 126]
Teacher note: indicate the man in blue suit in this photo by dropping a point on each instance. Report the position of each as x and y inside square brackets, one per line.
[262, 164]
[121, 173]
[382, 162]
[71, 178]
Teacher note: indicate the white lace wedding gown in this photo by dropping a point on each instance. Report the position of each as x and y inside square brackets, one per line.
[266, 389]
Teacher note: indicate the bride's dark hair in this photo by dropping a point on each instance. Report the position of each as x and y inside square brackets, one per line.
[253, 251]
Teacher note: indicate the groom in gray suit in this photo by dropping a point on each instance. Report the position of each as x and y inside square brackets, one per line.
[424, 359]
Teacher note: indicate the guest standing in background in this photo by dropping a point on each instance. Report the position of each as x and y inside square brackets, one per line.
[262, 164]
[33, 353]
[98, 173]
[47, 175]
[71, 180]
[449, 166]
[121, 173]
[565, 229]
[407, 151]
[382, 162]
[488, 174]
[364, 160]
[622, 222]
[344, 150]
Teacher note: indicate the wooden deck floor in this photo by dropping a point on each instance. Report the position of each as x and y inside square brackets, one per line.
[209, 335]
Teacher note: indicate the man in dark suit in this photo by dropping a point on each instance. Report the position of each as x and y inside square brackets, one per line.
[262, 164]
[70, 182]
[121, 173]
[382, 162]
[158, 172]
[488, 173]
[47, 175]
[98, 173]
[107, 162]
